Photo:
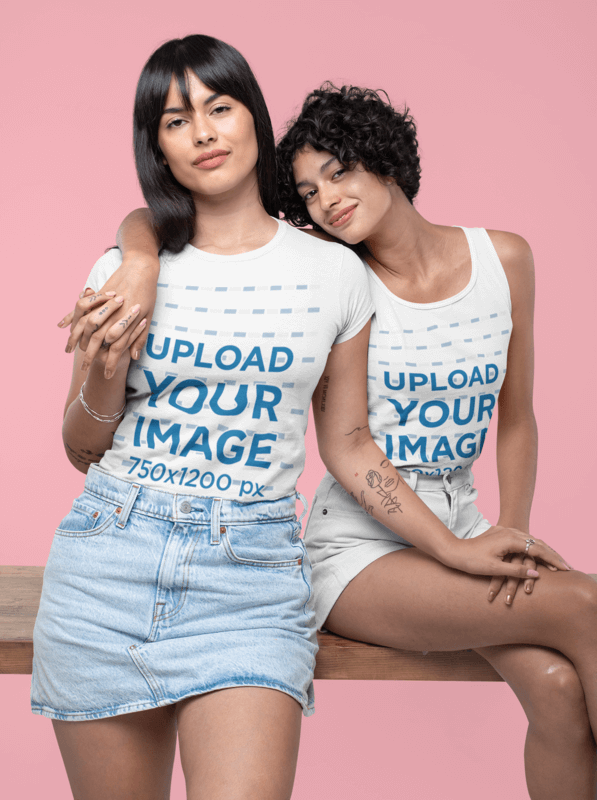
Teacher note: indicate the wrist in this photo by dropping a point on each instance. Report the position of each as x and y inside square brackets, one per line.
[517, 524]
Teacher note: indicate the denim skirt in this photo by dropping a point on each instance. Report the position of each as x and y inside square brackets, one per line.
[150, 597]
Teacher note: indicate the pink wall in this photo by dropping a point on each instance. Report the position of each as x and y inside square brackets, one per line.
[504, 96]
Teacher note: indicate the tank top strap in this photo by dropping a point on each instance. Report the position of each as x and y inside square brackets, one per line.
[489, 264]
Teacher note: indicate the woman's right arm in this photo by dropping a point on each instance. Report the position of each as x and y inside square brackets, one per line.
[85, 438]
[136, 280]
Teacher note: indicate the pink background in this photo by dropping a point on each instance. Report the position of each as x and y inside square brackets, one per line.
[503, 93]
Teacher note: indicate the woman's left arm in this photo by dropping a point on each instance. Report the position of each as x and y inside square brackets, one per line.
[351, 455]
[517, 428]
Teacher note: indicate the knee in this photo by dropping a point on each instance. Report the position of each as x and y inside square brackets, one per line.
[556, 695]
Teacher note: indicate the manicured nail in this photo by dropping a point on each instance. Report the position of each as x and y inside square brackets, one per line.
[532, 573]
[491, 596]
[119, 299]
[143, 323]
[552, 568]
[528, 588]
[135, 309]
[136, 355]
[509, 600]
[110, 294]
[108, 374]
[61, 323]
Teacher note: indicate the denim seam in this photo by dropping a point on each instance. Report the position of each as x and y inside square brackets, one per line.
[146, 672]
[91, 532]
[248, 562]
[184, 586]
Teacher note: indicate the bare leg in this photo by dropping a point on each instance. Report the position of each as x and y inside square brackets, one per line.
[239, 744]
[128, 757]
[408, 600]
[560, 755]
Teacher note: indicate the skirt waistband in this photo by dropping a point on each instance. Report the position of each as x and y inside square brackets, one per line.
[187, 508]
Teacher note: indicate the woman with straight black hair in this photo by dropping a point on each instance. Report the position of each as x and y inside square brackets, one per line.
[451, 340]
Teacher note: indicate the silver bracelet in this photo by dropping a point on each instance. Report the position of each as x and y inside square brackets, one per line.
[100, 417]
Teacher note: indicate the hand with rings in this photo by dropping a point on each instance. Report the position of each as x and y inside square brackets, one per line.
[520, 552]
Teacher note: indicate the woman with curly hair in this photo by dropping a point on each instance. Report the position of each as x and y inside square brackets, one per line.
[451, 339]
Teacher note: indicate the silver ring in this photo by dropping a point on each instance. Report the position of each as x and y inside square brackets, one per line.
[529, 543]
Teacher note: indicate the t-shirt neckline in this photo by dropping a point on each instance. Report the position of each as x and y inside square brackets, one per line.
[249, 255]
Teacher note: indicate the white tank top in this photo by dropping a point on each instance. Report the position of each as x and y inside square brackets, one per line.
[436, 369]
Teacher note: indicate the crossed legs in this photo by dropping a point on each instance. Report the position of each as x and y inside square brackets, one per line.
[408, 600]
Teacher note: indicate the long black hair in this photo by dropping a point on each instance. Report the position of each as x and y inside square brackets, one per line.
[223, 70]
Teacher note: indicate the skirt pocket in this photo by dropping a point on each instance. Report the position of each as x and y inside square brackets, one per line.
[89, 516]
[266, 545]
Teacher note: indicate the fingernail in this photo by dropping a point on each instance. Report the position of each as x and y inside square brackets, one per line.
[84, 367]
[552, 568]
[491, 596]
[143, 323]
[528, 588]
[110, 294]
[509, 600]
[108, 374]
[61, 323]
[135, 309]
[82, 295]
[532, 573]
[68, 349]
[119, 299]
[136, 355]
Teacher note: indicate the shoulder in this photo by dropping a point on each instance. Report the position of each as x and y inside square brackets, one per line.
[516, 258]
[318, 244]
[513, 251]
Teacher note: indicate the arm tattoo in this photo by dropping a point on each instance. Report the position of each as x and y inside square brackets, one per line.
[326, 383]
[85, 457]
[356, 429]
[390, 502]
[363, 502]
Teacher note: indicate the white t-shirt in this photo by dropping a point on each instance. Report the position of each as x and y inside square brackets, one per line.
[218, 403]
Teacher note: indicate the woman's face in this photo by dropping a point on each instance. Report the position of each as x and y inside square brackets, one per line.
[211, 149]
[349, 204]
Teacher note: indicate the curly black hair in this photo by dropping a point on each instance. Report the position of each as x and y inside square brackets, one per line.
[358, 127]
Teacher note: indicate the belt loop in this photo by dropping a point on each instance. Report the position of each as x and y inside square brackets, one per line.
[215, 520]
[412, 479]
[305, 506]
[128, 505]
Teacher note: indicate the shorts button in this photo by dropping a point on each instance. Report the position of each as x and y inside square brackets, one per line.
[223, 529]
[185, 507]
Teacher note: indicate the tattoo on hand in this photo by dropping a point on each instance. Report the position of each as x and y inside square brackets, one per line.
[356, 429]
[390, 502]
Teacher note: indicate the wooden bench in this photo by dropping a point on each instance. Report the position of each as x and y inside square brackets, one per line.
[338, 658]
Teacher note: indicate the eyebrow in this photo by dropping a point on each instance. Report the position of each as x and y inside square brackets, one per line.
[322, 169]
[179, 110]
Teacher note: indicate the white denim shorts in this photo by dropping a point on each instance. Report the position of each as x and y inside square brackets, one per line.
[342, 538]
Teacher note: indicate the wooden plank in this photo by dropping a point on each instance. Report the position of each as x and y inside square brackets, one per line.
[338, 658]
[343, 659]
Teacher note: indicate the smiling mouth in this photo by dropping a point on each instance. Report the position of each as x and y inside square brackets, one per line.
[342, 217]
